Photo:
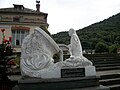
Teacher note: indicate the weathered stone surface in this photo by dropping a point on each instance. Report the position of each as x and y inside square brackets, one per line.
[37, 57]
[81, 83]
[37, 52]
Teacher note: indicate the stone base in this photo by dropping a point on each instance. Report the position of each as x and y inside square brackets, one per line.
[70, 72]
[79, 83]
[80, 78]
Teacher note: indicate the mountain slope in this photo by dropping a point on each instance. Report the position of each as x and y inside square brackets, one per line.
[106, 31]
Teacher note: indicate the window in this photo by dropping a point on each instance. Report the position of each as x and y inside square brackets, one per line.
[18, 36]
[16, 19]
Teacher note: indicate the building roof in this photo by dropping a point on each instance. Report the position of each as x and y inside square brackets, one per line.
[20, 9]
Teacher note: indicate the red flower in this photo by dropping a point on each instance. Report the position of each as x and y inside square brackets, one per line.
[11, 62]
[5, 40]
[10, 39]
[2, 30]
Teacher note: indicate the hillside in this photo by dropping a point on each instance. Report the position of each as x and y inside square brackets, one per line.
[106, 31]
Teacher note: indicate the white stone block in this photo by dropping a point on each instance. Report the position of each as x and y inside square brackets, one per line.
[90, 71]
[56, 72]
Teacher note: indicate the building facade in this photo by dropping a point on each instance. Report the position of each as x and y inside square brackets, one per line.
[19, 21]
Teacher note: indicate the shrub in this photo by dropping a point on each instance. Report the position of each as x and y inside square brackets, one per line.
[101, 48]
[113, 49]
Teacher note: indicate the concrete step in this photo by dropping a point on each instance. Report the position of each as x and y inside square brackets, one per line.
[103, 59]
[101, 55]
[94, 56]
[108, 68]
[99, 60]
[112, 57]
[106, 62]
[107, 65]
[110, 76]
[112, 81]
[114, 87]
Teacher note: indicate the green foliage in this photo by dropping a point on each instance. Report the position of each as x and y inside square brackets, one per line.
[113, 49]
[5, 50]
[61, 38]
[101, 48]
[2, 49]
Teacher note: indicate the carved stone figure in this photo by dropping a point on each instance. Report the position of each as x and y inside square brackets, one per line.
[76, 56]
[75, 47]
[37, 52]
[37, 55]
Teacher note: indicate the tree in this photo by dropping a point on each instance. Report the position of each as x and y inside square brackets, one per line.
[113, 49]
[101, 47]
[5, 52]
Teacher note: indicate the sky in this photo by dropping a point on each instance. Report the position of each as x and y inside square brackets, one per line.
[66, 14]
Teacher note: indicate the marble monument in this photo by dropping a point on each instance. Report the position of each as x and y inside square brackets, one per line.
[37, 57]
[37, 63]
[37, 52]
[76, 55]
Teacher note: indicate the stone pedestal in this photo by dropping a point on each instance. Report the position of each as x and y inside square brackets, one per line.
[82, 78]
[69, 72]
[78, 83]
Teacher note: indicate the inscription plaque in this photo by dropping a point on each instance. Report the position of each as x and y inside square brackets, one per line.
[72, 72]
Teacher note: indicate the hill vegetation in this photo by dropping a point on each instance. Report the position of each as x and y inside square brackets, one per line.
[106, 32]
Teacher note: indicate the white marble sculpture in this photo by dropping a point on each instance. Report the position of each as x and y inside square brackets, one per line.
[76, 60]
[76, 56]
[37, 52]
[37, 55]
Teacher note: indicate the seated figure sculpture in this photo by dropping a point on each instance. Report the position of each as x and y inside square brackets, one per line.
[37, 55]
[76, 56]
[37, 52]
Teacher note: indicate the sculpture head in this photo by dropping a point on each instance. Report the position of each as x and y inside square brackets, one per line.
[71, 32]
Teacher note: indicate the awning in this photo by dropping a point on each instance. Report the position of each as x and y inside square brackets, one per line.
[19, 28]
